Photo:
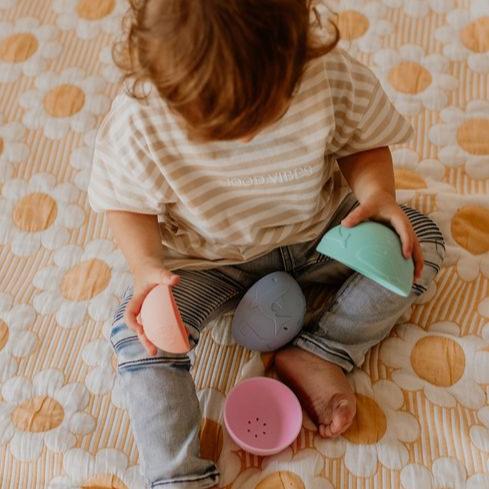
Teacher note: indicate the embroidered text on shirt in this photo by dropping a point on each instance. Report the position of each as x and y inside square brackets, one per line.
[277, 177]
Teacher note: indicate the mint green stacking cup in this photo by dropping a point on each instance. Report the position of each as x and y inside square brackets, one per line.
[372, 249]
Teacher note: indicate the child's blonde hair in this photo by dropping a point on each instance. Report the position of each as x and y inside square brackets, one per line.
[227, 67]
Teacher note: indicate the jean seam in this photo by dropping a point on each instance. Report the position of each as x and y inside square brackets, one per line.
[321, 258]
[167, 358]
[312, 261]
[433, 265]
[227, 298]
[129, 339]
[443, 253]
[285, 259]
[151, 361]
[291, 258]
[227, 279]
[209, 473]
[418, 289]
[433, 241]
[350, 281]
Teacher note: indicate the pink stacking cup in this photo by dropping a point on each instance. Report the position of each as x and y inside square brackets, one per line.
[262, 415]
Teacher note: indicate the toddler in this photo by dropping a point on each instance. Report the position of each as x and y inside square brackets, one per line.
[243, 135]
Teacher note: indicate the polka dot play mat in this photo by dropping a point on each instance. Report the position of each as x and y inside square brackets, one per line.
[423, 415]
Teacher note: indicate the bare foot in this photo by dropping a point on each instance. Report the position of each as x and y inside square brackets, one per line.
[321, 387]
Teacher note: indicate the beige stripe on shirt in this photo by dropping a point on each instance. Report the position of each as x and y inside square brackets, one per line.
[227, 202]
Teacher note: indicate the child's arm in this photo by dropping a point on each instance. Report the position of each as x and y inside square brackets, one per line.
[138, 237]
[370, 175]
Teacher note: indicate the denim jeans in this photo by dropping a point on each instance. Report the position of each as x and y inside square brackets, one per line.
[159, 391]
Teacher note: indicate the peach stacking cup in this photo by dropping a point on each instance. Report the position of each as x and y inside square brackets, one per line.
[162, 322]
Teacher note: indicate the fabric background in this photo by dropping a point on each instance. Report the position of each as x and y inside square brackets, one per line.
[423, 419]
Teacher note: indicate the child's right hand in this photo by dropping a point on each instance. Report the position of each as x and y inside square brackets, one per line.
[148, 275]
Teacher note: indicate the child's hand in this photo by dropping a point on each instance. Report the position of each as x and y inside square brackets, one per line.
[383, 207]
[148, 275]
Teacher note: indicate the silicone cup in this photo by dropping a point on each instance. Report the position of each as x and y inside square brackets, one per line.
[262, 415]
[270, 314]
[162, 322]
[374, 250]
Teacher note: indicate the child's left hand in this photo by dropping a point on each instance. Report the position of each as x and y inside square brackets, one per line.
[383, 207]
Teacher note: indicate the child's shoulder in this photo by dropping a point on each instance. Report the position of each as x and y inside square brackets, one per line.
[128, 113]
[347, 82]
[342, 67]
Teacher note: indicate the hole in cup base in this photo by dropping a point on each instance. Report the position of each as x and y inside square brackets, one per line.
[256, 434]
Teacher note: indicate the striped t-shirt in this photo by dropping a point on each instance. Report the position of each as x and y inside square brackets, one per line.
[227, 202]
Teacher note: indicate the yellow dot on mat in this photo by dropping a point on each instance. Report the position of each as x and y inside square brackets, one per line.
[475, 36]
[4, 334]
[438, 360]
[408, 180]
[64, 100]
[282, 479]
[369, 424]
[38, 414]
[410, 77]
[473, 136]
[211, 439]
[352, 24]
[18, 48]
[35, 212]
[103, 481]
[85, 280]
[94, 9]
[114, 362]
[470, 228]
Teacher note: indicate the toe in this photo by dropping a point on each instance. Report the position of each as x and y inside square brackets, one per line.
[341, 419]
[325, 431]
[341, 422]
